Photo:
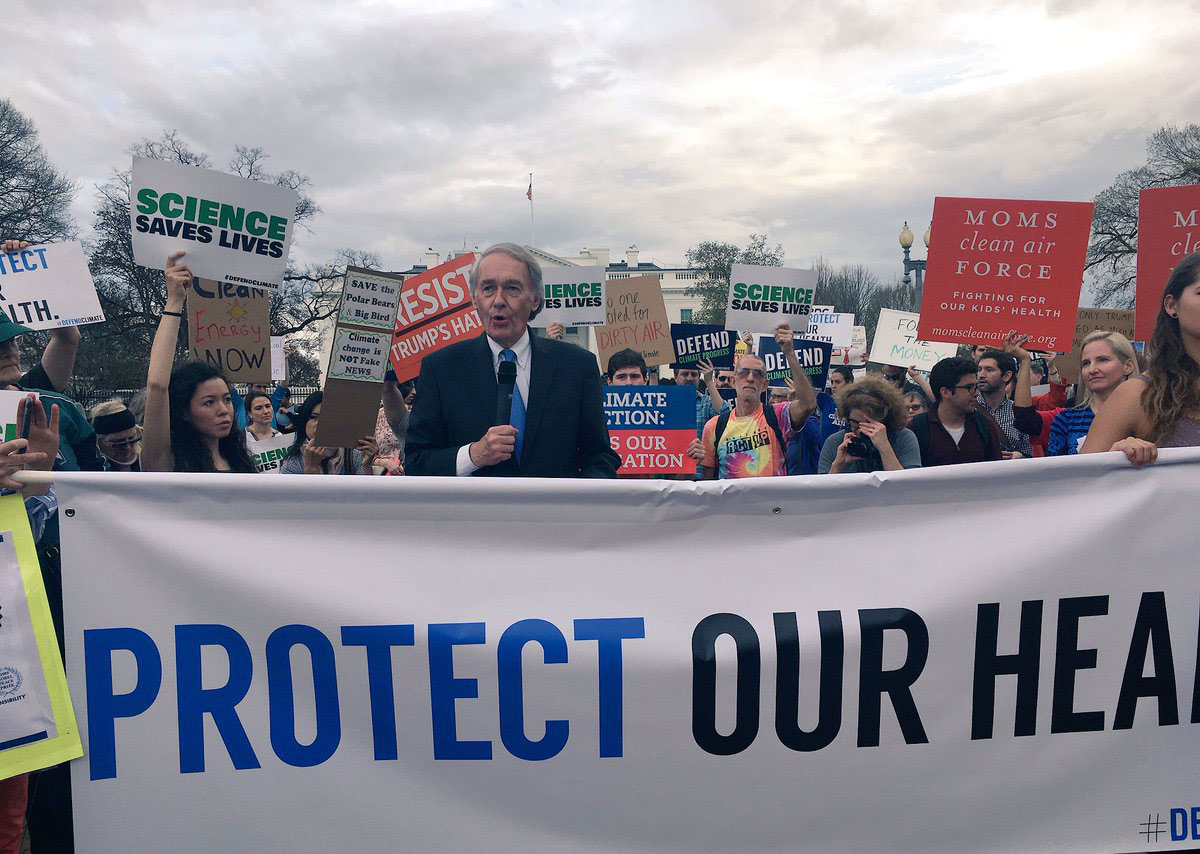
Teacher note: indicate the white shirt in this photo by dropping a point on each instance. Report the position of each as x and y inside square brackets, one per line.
[463, 465]
[956, 433]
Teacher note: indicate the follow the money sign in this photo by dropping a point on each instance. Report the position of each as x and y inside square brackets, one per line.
[613, 683]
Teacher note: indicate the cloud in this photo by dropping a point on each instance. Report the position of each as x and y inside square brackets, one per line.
[662, 124]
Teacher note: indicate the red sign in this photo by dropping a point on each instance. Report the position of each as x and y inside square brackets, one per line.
[996, 265]
[1167, 233]
[435, 311]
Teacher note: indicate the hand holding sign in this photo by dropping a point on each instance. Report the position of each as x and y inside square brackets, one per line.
[179, 279]
[42, 438]
[556, 331]
[783, 337]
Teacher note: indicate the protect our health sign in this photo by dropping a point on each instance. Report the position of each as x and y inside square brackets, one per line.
[435, 310]
[702, 342]
[896, 342]
[642, 674]
[650, 427]
[825, 324]
[1168, 231]
[572, 296]
[49, 286]
[813, 356]
[996, 265]
[233, 229]
[761, 297]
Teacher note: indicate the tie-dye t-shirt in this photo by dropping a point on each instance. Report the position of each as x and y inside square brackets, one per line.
[749, 447]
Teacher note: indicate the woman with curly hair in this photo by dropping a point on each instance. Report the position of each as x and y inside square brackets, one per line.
[1163, 409]
[877, 438]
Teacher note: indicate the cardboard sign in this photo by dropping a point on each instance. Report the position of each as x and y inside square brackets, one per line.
[279, 366]
[1001, 264]
[228, 327]
[8, 412]
[369, 299]
[813, 357]
[1168, 231]
[233, 229]
[896, 342]
[702, 342]
[572, 296]
[856, 353]
[435, 311]
[651, 427]
[761, 297]
[269, 453]
[636, 317]
[1091, 320]
[49, 286]
[358, 355]
[825, 324]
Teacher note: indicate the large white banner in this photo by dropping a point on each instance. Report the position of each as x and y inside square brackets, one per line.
[990, 657]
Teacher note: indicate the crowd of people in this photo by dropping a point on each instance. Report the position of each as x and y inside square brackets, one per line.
[975, 407]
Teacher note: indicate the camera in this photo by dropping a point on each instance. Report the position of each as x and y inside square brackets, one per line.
[859, 446]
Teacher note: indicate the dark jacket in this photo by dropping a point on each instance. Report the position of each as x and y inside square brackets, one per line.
[566, 434]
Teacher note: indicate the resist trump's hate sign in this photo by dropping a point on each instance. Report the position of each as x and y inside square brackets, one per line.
[996, 265]
[1167, 233]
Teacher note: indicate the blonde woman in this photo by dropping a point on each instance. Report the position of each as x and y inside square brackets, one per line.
[1107, 360]
[118, 437]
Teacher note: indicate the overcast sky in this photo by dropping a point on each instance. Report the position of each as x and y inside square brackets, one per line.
[825, 125]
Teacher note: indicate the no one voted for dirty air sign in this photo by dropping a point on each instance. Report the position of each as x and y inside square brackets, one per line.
[650, 427]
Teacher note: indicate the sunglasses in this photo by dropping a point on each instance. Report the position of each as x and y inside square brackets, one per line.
[751, 372]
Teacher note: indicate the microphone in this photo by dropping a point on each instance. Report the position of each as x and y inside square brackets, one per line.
[506, 377]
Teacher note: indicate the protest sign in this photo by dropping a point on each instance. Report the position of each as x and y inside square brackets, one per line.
[268, 454]
[1091, 320]
[761, 297]
[825, 324]
[651, 426]
[896, 342]
[49, 286]
[1001, 264]
[813, 357]
[358, 357]
[233, 229]
[702, 342]
[610, 683]
[635, 317]
[435, 311]
[279, 366]
[37, 723]
[572, 296]
[229, 327]
[856, 353]
[1167, 233]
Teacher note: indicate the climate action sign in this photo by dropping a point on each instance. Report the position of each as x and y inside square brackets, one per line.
[650, 427]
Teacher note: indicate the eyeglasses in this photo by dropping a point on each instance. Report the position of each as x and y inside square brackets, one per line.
[751, 372]
[125, 443]
[915, 407]
[971, 387]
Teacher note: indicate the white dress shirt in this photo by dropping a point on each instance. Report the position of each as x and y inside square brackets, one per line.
[463, 465]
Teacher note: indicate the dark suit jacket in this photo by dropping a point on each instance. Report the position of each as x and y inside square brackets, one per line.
[566, 434]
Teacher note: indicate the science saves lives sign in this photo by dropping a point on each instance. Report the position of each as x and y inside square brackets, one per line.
[619, 681]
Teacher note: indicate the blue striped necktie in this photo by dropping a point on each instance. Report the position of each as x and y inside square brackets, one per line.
[517, 419]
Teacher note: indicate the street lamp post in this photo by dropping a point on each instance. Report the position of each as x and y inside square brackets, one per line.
[910, 266]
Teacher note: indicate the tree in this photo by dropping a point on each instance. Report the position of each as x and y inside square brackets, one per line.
[35, 198]
[714, 260]
[1172, 159]
[114, 354]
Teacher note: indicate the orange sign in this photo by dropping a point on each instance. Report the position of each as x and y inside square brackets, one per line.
[435, 311]
[1167, 233]
[1001, 264]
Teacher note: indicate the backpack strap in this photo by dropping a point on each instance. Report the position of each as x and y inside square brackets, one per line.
[773, 423]
[985, 435]
[920, 429]
[722, 423]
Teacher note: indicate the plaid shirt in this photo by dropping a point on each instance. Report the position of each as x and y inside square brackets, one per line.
[1005, 419]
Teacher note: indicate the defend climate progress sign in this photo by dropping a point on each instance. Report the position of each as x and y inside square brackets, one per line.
[1001, 264]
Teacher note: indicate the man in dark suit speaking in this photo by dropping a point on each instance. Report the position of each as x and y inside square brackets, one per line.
[557, 426]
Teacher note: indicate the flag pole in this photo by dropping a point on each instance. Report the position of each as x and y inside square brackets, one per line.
[529, 195]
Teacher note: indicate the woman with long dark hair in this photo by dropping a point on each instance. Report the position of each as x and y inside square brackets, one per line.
[189, 422]
[1163, 409]
[306, 457]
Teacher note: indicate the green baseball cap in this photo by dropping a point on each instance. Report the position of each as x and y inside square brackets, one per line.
[10, 330]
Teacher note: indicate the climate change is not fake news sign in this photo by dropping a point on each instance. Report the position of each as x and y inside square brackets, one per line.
[232, 229]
